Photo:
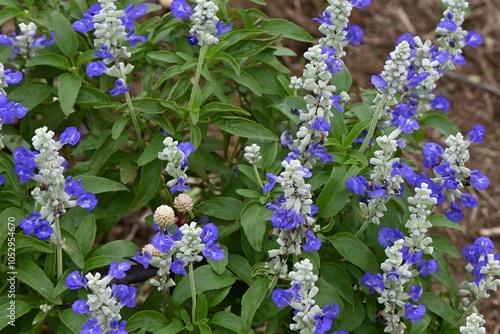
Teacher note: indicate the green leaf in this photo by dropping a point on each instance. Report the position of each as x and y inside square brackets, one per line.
[355, 251]
[72, 248]
[288, 29]
[240, 266]
[118, 127]
[227, 320]
[438, 220]
[148, 105]
[89, 96]
[31, 95]
[68, 87]
[218, 107]
[244, 128]
[66, 38]
[175, 327]
[253, 220]
[8, 13]
[85, 234]
[20, 307]
[32, 244]
[33, 276]
[149, 184]
[149, 320]
[72, 320]
[154, 147]
[201, 307]
[101, 261]
[97, 185]
[222, 207]
[251, 301]
[249, 193]
[121, 248]
[339, 279]
[195, 135]
[10, 218]
[228, 59]
[421, 326]
[438, 306]
[165, 56]
[245, 80]
[443, 244]
[441, 123]
[356, 131]
[205, 279]
[259, 2]
[51, 59]
[342, 79]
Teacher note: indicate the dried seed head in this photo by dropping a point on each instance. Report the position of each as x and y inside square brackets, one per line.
[183, 203]
[164, 216]
[151, 249]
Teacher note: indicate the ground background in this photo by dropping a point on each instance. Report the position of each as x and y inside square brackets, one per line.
[473, 90]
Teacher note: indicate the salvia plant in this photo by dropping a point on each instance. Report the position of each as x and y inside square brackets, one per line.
[270, 203]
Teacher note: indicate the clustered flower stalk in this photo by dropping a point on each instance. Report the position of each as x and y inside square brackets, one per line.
[55, 194]
[110, 27]
[484, 265]
[27, 43]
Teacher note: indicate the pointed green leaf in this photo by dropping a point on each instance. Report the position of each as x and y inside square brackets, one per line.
[253, 220]
[244, 128]
[288, 29]
[355, 251]
[66, 38]
[222, 207]
[97, 184]
[251, 301]
[68, 87]
[31, 95]
[32, 275]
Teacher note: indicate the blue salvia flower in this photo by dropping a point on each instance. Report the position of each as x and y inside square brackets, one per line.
[27, 43]
[113, 29]
[56, 193]
[9, 110]
[176, 156]
[103, 303]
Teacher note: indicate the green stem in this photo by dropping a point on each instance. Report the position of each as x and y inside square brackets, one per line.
[363, 228]
[197, 75]
[466, 312]
[257, 175]
[59, 243]
[134, 120]
[271, 286]
[373, 124]
[193, 292]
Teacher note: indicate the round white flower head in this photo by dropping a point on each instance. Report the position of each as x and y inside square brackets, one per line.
[151, 249]
[183, 203]
[164, 216]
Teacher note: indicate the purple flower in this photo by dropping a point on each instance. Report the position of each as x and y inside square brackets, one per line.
[360, 3]
[144, 259]
[223, 28]
[2, 179]
[73, 188]
[325, 18]
[454, 213]
[285, 141]
[324, 320]
[416, 79]
[180, 9]
[91, 327]
[414, 313]
[313, 243]
[281, 297]
[192, 39]
[133, 39]
[377, 191]
[378, 81]
[447, 22]
[432, 152]
[43, 41]
[12, 78]
[468, 201]
[402, 169]
[70, 136]
[119, 88]
[354, 34]
[476, 135]
[373, 282]
[270, 185]
[406, 37]
[209, 233]
[178, 267]
[473, 39]
[415, 292]
[427, 267]
[117, 270]
[180, 186]
[163, 242]
[104, 52]
[75, 280]
[10, 110]
[187, 148]
[95, 68]
[132, 14]
[387, 236]
[282, 218]
[441, 103]
[357, 184]
[80, 306]
[87, 201]
[471, 253]
[478, 180]
[213, 251]
[117, 327]
[319, 151]
[336, 99]
[485, 245]
[34, 225]
[125, 293]
[321, 124]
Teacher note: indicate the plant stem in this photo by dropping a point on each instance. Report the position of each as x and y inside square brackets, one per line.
[363, 228]
[134, 120]
[58, 243]
[261, 185]
[373, 124]
[201, 58]
[466, 312]
[193, 292]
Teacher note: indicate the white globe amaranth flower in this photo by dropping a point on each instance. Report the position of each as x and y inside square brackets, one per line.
[164, 216]
[183, 203]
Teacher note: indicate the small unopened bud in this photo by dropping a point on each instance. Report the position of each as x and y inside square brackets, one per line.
[183, 203]
[164, 216]
[151, 249]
